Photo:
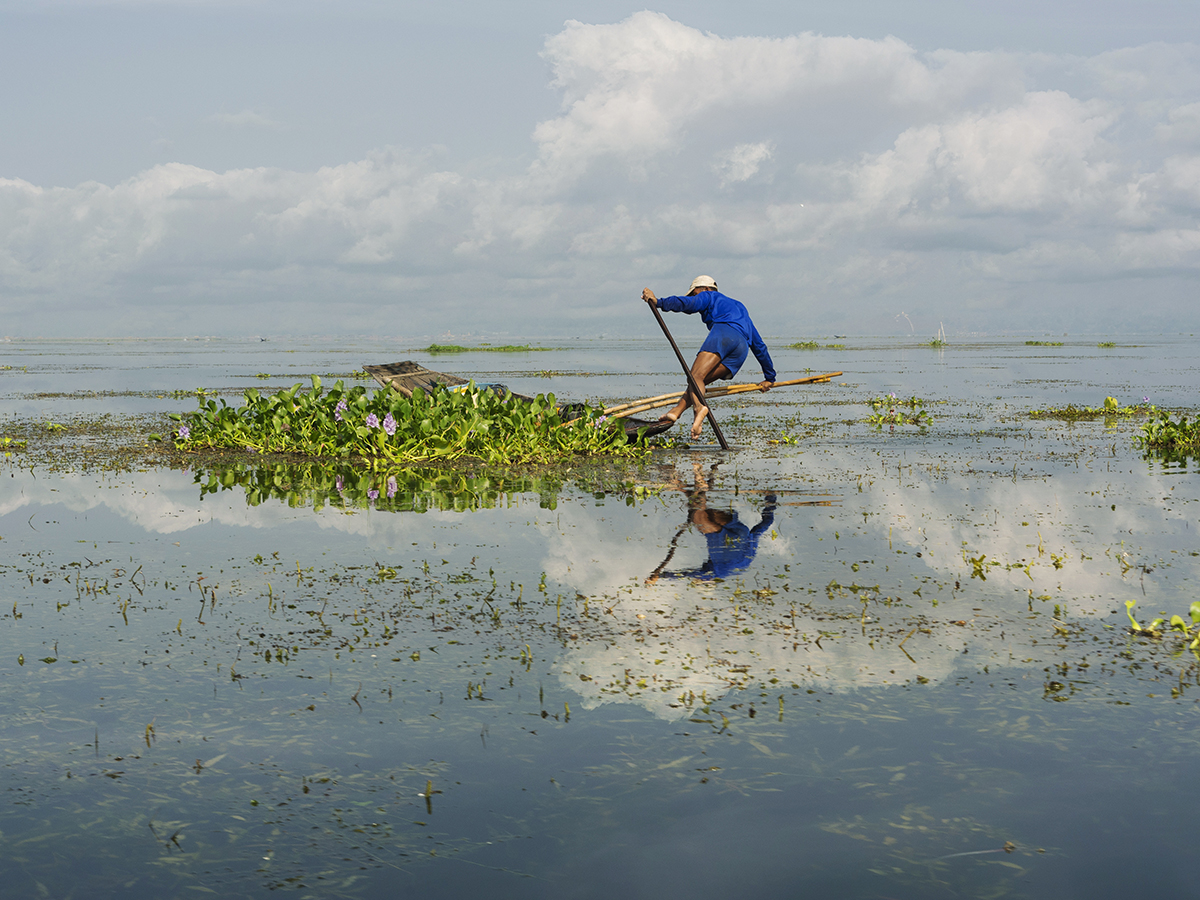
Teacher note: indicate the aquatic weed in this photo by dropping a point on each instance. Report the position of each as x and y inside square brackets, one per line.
[890, 411]
[1161, 433]
[1110, 409]
[435, 349]
[386, 427]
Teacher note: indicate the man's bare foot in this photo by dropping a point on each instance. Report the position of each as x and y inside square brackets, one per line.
[698, 424]
[669, 418]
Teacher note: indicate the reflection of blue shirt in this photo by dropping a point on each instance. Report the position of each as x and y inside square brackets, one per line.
[717, 309]
[731, 549]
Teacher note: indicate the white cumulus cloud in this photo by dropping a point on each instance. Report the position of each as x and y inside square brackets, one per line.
[861, 175]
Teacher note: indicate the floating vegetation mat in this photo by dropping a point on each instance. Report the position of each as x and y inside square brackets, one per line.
[1110, 409]
[436, 349]
[385, 426]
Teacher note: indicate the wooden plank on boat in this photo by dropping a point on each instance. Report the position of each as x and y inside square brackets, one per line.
[408, 376]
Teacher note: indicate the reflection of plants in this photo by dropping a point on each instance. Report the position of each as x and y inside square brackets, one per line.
[893, 411]
[320, 484]
[1164, 434]
[388, 428]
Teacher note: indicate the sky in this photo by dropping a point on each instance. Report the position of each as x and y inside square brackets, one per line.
[176, 167]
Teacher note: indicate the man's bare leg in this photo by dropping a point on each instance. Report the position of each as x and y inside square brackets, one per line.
[706, 369]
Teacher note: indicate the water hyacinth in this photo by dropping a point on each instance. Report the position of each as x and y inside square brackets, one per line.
[384, 427]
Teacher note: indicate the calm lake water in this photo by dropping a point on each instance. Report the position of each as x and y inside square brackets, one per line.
[836, 661]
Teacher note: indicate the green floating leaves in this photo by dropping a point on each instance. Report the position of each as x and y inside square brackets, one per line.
[1111, 409]
[892, 410]
[386, 427]
[1164, 434]
[504, 348]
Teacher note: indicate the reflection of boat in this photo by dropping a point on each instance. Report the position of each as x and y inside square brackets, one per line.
[408, 376]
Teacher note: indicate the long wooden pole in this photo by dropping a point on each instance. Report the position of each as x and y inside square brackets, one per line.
[696, 391]
[634, 407]
[657, 403]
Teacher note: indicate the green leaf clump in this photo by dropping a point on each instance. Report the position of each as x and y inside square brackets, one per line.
[1111, 409]
[890, 410]
[1163, 433]
[384, 427]
[435, 349]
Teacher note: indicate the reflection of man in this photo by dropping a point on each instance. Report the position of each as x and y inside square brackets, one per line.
[731, 545]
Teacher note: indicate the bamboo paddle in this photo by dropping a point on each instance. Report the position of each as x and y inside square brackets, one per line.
[622, 410]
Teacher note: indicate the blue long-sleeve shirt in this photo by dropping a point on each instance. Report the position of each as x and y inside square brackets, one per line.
[717, 309]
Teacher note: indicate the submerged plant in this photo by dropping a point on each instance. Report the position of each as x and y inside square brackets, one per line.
[386, 427]
[1043, 343]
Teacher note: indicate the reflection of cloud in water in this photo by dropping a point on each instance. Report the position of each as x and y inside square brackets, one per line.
[167, 502]
[604, 550]
[678, 649]
[665, 651]
[1069, 516]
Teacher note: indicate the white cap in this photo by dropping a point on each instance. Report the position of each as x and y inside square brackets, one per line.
[702, 281]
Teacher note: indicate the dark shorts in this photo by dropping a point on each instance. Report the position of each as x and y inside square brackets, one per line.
[729, 344]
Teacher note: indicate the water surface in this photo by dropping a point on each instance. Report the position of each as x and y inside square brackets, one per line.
[836, 661]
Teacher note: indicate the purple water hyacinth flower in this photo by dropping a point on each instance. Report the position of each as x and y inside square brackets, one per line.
[339, 409]
[183, 432]
[389, 424]
[372, 421]
[373, 494]
[391, 488]
[339, 484]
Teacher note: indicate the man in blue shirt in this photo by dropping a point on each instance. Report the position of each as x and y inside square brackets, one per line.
[730, 335]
